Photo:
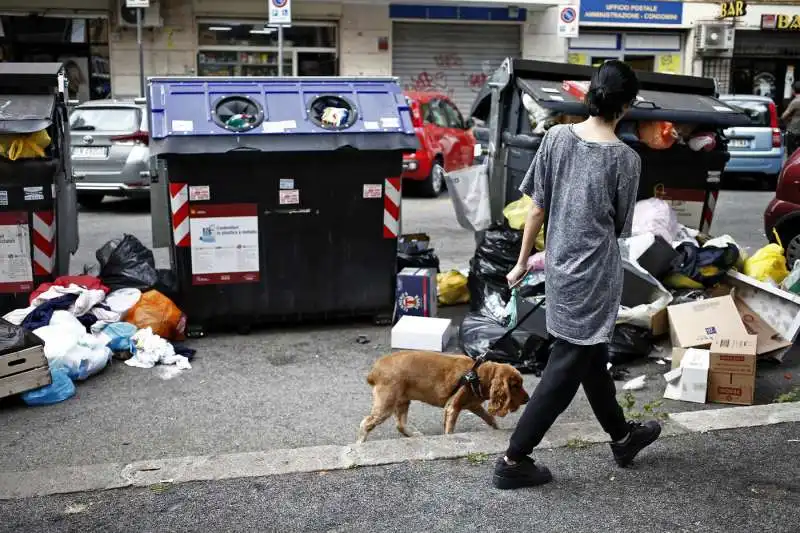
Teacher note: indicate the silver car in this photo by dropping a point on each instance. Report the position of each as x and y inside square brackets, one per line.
[110, 153]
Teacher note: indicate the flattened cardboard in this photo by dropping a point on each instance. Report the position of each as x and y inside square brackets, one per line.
[734, 355]
[695, 324]
[769, 340]
[724, 387]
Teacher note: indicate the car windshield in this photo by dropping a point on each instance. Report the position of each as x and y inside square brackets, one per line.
[105, 119]
[757, 111]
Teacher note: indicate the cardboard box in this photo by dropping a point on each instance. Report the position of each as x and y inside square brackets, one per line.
[695, 324]
[689, 382]
[734, 355]
[769, 340]
[416, 292]
[421, 333]
[724, 387]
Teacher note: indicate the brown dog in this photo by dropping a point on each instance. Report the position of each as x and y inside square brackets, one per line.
[430, 377]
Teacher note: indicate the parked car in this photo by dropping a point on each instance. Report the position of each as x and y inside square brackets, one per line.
[783, 212]
[110, 153]
[445, 138]
[756, 150]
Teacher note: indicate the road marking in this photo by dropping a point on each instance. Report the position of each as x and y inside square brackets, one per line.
[69, 479]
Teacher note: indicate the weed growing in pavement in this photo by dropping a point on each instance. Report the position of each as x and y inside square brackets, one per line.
[577, 444]
[791, 396]
[477, 458]
[651, 409]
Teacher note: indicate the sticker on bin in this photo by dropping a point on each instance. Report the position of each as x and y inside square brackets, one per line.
[371, 125]
[373, 190]
[33, 194]
[279, 126]
[286, 184]
[291, 197]
[16, 273]
[225, 245]
[3, 197]
[182, 125]
[390, 122]
[199, 193]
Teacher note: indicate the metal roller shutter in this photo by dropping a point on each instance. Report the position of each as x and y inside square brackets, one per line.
[453, 59]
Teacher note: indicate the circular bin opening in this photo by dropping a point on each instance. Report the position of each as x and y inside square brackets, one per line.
[332, 112]
[238, 113]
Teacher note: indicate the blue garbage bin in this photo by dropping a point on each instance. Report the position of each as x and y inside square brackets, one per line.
[281, 195]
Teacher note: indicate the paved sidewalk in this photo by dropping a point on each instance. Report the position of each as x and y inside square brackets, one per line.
[740, 480]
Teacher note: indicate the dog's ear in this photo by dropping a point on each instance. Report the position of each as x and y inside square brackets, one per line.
[499, 394]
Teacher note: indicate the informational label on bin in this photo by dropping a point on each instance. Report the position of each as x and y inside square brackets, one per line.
[3, 197]
[182, 126]
[373, 190]
[16, 269]
[33, 194]
[286, 184]
[290, 197]
[199, 193]
[224, 244]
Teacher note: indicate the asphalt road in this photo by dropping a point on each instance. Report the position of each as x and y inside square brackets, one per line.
[742, 480]
[278, 388]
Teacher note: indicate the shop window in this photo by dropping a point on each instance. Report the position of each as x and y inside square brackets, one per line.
[242, 48]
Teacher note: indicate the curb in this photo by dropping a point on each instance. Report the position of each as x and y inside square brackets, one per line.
[64, 480]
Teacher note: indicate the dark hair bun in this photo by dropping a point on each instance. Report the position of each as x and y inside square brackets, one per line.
[613, 87]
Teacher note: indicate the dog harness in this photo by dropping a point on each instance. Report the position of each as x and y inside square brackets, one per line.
[470, 379]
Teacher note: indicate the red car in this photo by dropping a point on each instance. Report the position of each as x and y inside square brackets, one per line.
[446, 142]
[783, 212]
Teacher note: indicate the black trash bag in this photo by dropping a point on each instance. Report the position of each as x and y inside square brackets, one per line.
[127, 263]
[486, 296]
[478, 332]
[629, 343]
[167, 283]
[424, 259]
[500, 245]
[494, 258]
[12, 338]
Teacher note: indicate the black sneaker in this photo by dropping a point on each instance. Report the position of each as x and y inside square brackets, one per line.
[641, 436]
[521, 474]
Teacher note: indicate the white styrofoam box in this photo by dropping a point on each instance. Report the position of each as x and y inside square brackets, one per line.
[421, 333]
[691, 383]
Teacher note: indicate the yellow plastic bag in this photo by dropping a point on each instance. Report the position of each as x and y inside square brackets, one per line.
[28, 146]
[452, 287]
[768, 263]
[517, 212]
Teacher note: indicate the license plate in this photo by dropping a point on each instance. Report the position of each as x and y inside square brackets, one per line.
[90, 152]
[739, 143]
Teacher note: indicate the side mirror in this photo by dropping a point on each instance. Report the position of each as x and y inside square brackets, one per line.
[469, 124]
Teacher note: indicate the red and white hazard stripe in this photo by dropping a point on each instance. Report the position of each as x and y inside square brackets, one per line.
[44, 243]
[391, 208]
[708, 211]
[179, 205]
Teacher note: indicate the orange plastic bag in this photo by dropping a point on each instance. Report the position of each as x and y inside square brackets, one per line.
[156, 311]
[657, 134]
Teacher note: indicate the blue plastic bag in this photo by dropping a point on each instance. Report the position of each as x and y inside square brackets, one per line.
[62, 388]
[120, 334]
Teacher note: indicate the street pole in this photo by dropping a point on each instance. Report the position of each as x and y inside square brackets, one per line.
[139, 14]
[280, 50]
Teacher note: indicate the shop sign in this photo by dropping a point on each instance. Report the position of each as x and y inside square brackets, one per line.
[780, 22]
[729, 10]
[280, 12]
[631, 13]
[137, 4]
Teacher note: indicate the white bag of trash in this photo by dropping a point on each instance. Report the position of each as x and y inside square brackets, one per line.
[149, 349]
[654, 215]
[67, 343]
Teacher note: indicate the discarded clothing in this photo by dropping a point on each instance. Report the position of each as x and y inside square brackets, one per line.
[85, 301]
[701, 267]
[40, 317]
[87, 282]
[149, 349]
[182, 349]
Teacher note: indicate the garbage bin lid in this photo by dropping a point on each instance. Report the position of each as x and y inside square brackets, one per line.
[25, 113]
[38, 78]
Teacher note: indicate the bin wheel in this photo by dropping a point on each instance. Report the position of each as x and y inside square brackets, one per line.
[433, 185]
[90, 201]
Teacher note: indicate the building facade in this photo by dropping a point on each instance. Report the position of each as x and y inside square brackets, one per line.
[448, 46]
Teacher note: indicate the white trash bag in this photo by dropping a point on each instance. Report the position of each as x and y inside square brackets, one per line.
[469, 192]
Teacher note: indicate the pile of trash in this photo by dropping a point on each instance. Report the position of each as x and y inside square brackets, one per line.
[121, 313]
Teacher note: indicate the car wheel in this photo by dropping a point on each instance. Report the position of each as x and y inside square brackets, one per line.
[90, 201]
[789, 233]
[433, 186]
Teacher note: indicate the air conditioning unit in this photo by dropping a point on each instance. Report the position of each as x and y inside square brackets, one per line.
[151, 16]
[715, 39]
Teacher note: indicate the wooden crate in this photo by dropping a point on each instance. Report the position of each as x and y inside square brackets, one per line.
[23, 371]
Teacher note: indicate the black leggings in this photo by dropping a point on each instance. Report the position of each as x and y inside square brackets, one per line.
[569, 366]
